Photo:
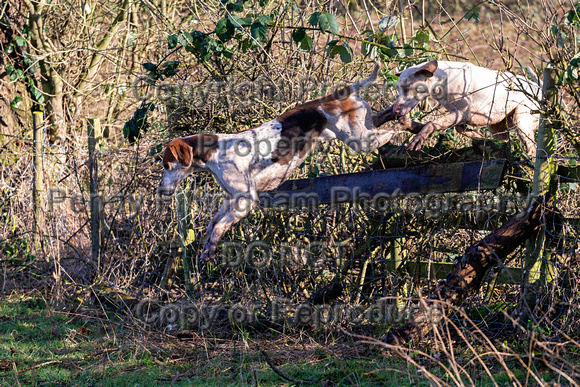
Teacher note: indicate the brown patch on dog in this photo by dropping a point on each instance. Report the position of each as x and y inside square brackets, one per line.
[184, 150]
[427, 69]
[204, 146]
[177, 151]
[347, 107]
[302, 125]
[314, 104]
[300, 129]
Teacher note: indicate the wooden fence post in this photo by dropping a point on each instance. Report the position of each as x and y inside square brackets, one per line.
[183, 216]
[537, 271]
[94, 129]
[399, 254]
[38, 185]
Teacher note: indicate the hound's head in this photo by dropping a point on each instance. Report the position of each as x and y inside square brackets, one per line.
[183, 156]
[414, 85]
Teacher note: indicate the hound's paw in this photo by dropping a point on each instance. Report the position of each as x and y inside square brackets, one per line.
[403, 124]
[207, 255]
[416, 143]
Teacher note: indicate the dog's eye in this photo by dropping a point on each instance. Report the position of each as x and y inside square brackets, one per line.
[166, 166]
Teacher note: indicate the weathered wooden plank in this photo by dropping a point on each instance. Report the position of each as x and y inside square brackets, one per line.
[381, 184]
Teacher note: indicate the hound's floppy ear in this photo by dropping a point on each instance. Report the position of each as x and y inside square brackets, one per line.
[181, 152]
[428, 69]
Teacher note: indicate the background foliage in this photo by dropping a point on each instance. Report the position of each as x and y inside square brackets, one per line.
[154, 70]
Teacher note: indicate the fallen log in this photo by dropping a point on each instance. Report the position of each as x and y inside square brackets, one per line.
[472, 267]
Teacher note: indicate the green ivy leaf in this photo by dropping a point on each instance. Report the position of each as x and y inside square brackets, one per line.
[264, 19]
[171, 63]
[313, 20]
[392, 79]
[421, 37]
[561, 40]
[149, 66]
[314, 172]
[259, 32]
[473, 14]
[38, 97]
[331, 48]
[327, 22]
[238, 22]
[172, 42]
[129, 130]
[572, 16]
[16, 102]
[20, 41]
[170, 68]
[575, 62]
[298, 34]
[224, 30]
[369, 50]
[390, 52]
[185, 39]
[345, 53]
[337, 47]
[306, 43]
[235, 7]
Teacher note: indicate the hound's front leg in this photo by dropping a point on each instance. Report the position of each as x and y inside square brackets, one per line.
[441, 123]
[366, 136]
[231, 212]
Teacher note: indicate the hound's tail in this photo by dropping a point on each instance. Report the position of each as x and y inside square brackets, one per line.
[533, 76]
[360, 85]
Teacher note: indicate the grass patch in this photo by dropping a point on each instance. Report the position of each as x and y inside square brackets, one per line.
[42, 346]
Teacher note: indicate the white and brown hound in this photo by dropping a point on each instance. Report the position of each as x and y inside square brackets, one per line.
[472, 95]
[262, 158]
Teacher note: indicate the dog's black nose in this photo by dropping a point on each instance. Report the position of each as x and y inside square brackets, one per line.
[166, 191]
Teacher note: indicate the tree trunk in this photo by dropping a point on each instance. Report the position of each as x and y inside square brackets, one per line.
[14, 120]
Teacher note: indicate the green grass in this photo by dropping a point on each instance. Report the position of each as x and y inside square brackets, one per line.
[52, 348]
[41, 346]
